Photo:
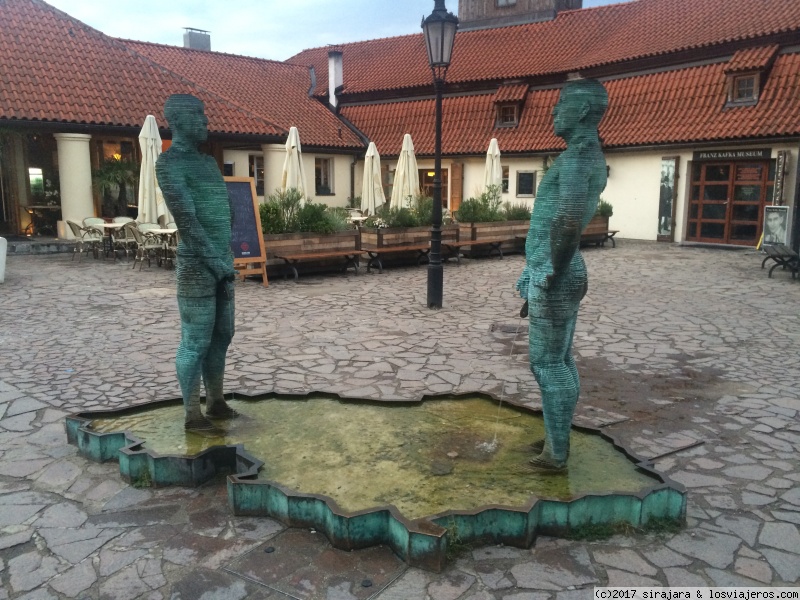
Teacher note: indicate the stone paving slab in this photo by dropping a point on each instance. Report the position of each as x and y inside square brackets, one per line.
[303, 565]
[673, 362]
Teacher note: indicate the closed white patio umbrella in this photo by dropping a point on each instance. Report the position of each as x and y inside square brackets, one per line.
[406, 177]
[372, 187]
[294, 175]
[152, 208]
[493, 173]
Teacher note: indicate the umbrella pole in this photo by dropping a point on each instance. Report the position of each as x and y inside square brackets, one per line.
[435, 271]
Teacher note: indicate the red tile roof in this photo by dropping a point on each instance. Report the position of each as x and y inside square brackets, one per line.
[511, 93]
[752, 59]
[680, 106]
[575, 40]
[274, 90]
[55, 68]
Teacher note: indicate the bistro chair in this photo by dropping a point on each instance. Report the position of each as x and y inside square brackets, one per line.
[123, 238]
[146, 246]
[96, 224]
[85, 239]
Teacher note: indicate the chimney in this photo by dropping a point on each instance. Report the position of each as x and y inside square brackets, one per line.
[197, 39]
[335, 76]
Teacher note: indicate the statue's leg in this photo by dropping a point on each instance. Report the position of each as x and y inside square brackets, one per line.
[554, 368]
[214, 364]
[197, 324]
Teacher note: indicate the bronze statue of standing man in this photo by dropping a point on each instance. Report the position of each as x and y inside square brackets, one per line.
[196, 196]
[554, 280]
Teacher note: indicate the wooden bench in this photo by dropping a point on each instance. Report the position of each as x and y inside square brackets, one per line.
[351, 258]
[783, 256]
[599, 238]
[454, 248]
[375, 254]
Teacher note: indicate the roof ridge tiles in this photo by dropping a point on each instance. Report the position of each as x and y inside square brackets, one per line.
[258, 59]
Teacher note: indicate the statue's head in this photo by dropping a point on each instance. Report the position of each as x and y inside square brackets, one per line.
[581, 106]
[186, 117]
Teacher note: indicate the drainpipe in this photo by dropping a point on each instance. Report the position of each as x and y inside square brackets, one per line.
[353, 176]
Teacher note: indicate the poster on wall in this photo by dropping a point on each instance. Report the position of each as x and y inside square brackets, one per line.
[776, 225]
[666, 199]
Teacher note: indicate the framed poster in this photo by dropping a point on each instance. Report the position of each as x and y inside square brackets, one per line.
[247, 239]
[776, 225]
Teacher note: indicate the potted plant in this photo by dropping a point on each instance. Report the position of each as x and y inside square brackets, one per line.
[404, 226]
[112, 179]
[291, 227]
[485, 217]
[599, 222]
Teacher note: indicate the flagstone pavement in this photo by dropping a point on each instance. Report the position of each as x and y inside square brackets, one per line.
[687, 355]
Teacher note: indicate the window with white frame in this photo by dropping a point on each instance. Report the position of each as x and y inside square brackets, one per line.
[323, 176]
[743, 89]
[507, 115]
[505, 180]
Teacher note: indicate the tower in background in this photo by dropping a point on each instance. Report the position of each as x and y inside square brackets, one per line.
[485, 14]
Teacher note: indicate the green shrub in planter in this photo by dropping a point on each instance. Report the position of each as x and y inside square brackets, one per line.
[485, 208]
[604, 209]
[393, 217]
[283, 213]
[517, 212]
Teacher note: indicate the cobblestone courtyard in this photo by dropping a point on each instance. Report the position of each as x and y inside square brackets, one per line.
[686, 354]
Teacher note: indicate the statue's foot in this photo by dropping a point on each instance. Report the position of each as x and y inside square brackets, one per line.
[537, 446]
[221, 410]
[199, 424]
[544, 464]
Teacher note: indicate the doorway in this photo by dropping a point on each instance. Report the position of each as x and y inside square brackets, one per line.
[727, 201]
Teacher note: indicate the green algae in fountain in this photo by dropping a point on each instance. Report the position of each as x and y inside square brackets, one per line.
[425, 459]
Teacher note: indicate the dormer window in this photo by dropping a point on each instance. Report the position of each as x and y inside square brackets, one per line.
[746, 72]
[745, 88]
[507, 115]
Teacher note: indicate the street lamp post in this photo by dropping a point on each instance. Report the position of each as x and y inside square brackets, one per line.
[440, 33]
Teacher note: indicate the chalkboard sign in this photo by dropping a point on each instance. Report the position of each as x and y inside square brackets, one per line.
[247, 240]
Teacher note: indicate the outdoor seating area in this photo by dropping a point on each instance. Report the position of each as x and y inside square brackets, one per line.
[124, 236]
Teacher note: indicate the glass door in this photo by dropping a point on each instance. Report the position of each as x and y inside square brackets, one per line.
[727, 201]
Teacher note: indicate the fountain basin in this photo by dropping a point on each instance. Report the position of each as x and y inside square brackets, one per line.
[413, 476]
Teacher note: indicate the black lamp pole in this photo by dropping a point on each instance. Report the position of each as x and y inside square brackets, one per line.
[440, 31]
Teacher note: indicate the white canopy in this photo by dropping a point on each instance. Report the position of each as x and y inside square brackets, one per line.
[152, 208]
[493, 173]
[406, 177]
[372, 187]
[294, 175]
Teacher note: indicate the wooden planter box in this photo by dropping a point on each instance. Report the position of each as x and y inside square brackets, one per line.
[596, 232]
[598, 225]
[278, 244]
[497, 229]
[404, 236]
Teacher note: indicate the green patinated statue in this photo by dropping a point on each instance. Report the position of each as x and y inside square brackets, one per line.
[554, 280]
[196, 196]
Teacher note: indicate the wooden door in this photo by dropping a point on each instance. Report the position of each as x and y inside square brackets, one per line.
[727, 201]
[456, 186]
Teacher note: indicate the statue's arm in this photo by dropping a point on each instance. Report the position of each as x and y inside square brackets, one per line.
[179, 200]
[565, 228]
[524, 281]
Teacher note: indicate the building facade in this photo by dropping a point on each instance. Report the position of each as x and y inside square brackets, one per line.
[701, 136]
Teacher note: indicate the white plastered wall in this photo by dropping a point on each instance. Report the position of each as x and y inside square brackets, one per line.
[274, 155]
[634, 179]
[473, 175]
